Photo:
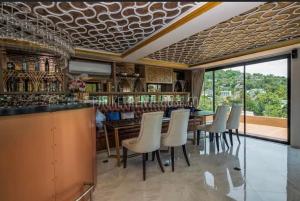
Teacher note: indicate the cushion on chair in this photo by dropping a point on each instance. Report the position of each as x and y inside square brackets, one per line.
[127, 115]
[130, 144]
[100, 117]
[113, 116]
[192, 108]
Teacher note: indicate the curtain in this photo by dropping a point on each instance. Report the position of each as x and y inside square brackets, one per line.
[197, 83]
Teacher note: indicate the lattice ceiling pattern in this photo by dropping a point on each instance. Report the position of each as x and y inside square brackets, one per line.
[267, 24]
[109, 26]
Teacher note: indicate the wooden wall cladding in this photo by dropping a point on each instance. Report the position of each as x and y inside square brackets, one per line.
[47, 156]
[26, 158]
[158, 75]
[125, 68]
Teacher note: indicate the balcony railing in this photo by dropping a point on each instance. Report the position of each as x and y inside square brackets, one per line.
[263, 126]
[266, 127]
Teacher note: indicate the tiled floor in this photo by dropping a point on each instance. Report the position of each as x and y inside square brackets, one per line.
[269, 172]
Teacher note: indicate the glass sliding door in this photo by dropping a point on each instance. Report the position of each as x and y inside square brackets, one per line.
[261, 88]
[267, 99]
[229, 89]
[206, 98]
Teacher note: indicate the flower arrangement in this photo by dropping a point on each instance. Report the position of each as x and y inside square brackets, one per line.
[77, 85]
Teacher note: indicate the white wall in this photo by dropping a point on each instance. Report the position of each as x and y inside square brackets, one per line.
[93, 67]
[295, 101]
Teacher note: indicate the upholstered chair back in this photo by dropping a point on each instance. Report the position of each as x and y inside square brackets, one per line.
[150, 132]
[177, 131]
[233, 121]
[219, 123]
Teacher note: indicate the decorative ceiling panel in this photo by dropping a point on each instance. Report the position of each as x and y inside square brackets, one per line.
[109, 26]
[265, 25]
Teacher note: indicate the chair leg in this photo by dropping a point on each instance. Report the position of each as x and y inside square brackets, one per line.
[146, 156]
[230, 136]
[217, 141]
[124, 157]
[153, 155]
[185, 155]
[224, 137]
[144, 166]
[159, 160]
[172, 158]
[198, 137]
[211, 137]
[237, 135]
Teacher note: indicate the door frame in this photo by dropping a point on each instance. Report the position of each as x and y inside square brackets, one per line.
[244, 64]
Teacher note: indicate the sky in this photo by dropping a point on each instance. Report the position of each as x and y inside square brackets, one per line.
[277, 67]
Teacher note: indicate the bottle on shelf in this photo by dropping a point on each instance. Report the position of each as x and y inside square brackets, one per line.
[44, 85]
[9, 85]
[56, 68]
[37, 65]
[24, 66]
[26, 85]
[47, 67]
[20, 85]
[14, 84]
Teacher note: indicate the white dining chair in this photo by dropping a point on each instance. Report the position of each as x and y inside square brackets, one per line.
[233, 121]
[218, 125]
[177, 133]
[149, 139]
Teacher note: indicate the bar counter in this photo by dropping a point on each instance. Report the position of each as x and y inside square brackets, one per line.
[41, 108]
[47, 152]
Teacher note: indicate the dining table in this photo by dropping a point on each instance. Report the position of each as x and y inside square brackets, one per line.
[134, 123]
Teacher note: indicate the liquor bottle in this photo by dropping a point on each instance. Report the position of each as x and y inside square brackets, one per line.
[56, 68]
[37, 65]
[20, 86]
[14, 84]
[8, 85]
[26, 85]
[24, 66]
[47, 68]
[44, 87]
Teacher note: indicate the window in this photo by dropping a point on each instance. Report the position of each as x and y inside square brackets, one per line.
[206, 98]
[262, 86]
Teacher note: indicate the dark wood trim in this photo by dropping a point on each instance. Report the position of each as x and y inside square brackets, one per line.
[289, 98]
[284, 56]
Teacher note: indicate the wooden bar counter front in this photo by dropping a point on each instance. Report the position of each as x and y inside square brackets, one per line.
[47, 156]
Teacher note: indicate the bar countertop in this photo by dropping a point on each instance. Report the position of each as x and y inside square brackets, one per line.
[9, 111]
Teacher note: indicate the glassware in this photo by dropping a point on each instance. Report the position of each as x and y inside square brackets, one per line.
[33, 28]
